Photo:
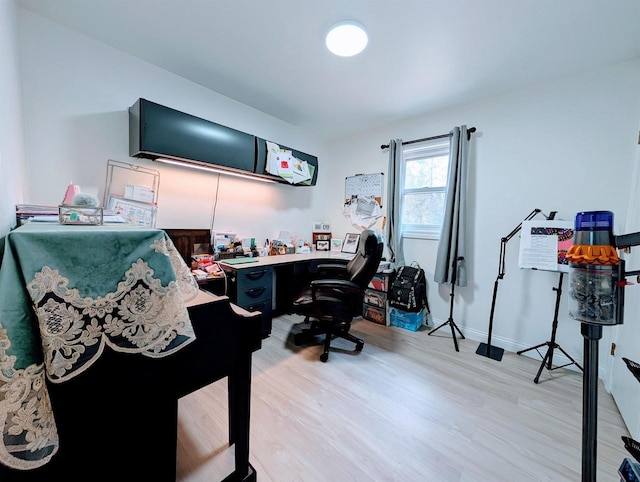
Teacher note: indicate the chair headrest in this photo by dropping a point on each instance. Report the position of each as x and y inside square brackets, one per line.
[365, 263]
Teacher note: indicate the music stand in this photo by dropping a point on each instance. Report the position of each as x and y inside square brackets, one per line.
[547, 360]
[450, 321]
[485, 349]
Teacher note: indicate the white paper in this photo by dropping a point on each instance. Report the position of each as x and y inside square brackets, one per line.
[300, 171]
[272, 164]
[544, 245]
[284, 162]
[366, 216]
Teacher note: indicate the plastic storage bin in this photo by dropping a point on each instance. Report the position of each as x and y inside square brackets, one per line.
[407, 320]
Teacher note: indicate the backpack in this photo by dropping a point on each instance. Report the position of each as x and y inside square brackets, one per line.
[409, 290]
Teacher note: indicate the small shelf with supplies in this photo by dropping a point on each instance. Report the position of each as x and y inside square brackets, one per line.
[375, 306]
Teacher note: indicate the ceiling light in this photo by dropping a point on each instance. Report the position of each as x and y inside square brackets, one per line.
[346, 38]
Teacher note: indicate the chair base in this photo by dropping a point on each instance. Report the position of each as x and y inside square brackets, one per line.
[316, 332]
[306, 334]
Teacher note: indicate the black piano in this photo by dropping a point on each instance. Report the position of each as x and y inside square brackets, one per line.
[118, 420]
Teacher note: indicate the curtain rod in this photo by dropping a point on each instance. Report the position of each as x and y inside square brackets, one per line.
[469, 131]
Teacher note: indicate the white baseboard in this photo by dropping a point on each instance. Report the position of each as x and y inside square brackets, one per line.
[513, 346]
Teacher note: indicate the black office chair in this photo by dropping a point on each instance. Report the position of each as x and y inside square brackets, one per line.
[330, 302]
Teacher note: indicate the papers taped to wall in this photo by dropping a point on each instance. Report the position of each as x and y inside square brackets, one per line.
[281, 162]
[363, 211]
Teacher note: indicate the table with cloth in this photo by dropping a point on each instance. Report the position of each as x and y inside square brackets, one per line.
[66, 293]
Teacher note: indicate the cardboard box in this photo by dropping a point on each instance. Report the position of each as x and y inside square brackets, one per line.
[407, 320]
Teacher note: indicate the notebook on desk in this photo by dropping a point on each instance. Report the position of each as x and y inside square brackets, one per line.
[239, 260]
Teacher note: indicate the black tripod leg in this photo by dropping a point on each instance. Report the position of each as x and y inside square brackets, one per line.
[453, 325]
[438, 327]
[532, 348]
[569, 357]
[546, 359]
[453, 335]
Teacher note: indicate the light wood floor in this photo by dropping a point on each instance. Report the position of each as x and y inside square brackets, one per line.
[407, 408]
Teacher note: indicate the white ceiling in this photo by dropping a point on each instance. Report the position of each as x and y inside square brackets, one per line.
[422, 54]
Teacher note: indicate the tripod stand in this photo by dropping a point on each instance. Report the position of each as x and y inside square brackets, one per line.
[450, 321]
[547, 360]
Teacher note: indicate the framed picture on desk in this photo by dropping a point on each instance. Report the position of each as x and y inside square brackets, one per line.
[350, 244]
[322, 245]
[320, 237]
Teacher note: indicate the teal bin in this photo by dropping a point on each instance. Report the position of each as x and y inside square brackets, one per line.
[407, 320]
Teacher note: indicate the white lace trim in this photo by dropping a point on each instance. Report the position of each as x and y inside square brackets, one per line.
[141, 316]
[29, 435]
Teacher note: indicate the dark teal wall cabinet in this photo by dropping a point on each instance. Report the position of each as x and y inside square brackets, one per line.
[156, 131]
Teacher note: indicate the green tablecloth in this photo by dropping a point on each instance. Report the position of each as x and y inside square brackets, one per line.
[66, 292]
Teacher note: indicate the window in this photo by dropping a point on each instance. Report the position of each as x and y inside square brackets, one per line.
[425, 170]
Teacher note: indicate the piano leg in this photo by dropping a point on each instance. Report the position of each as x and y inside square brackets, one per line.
[239, 394]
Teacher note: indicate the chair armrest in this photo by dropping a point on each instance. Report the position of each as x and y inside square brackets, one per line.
[332, 270]
[344, 287]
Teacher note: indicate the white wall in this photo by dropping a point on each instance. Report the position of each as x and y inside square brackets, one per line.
[11, 135]
[565, 146]
[76, 95]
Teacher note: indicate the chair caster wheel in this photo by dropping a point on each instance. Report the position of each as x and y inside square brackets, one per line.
[359, 346]
[324, 357]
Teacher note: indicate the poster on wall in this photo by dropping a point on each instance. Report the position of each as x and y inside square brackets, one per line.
[544, 245]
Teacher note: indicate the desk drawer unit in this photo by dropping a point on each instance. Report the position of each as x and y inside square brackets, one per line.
[252, 289]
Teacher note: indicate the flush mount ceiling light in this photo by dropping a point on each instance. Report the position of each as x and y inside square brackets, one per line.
[346, 38]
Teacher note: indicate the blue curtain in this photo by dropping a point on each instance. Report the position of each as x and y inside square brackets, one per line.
[452, 245]
[394, 204]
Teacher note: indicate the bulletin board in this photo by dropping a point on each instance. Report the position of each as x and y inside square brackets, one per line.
[363, 186]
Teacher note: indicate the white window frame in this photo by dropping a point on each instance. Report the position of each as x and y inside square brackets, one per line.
[427, 149]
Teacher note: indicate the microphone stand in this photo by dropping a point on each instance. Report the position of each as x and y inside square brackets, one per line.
[486, 349]
[450, 321]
